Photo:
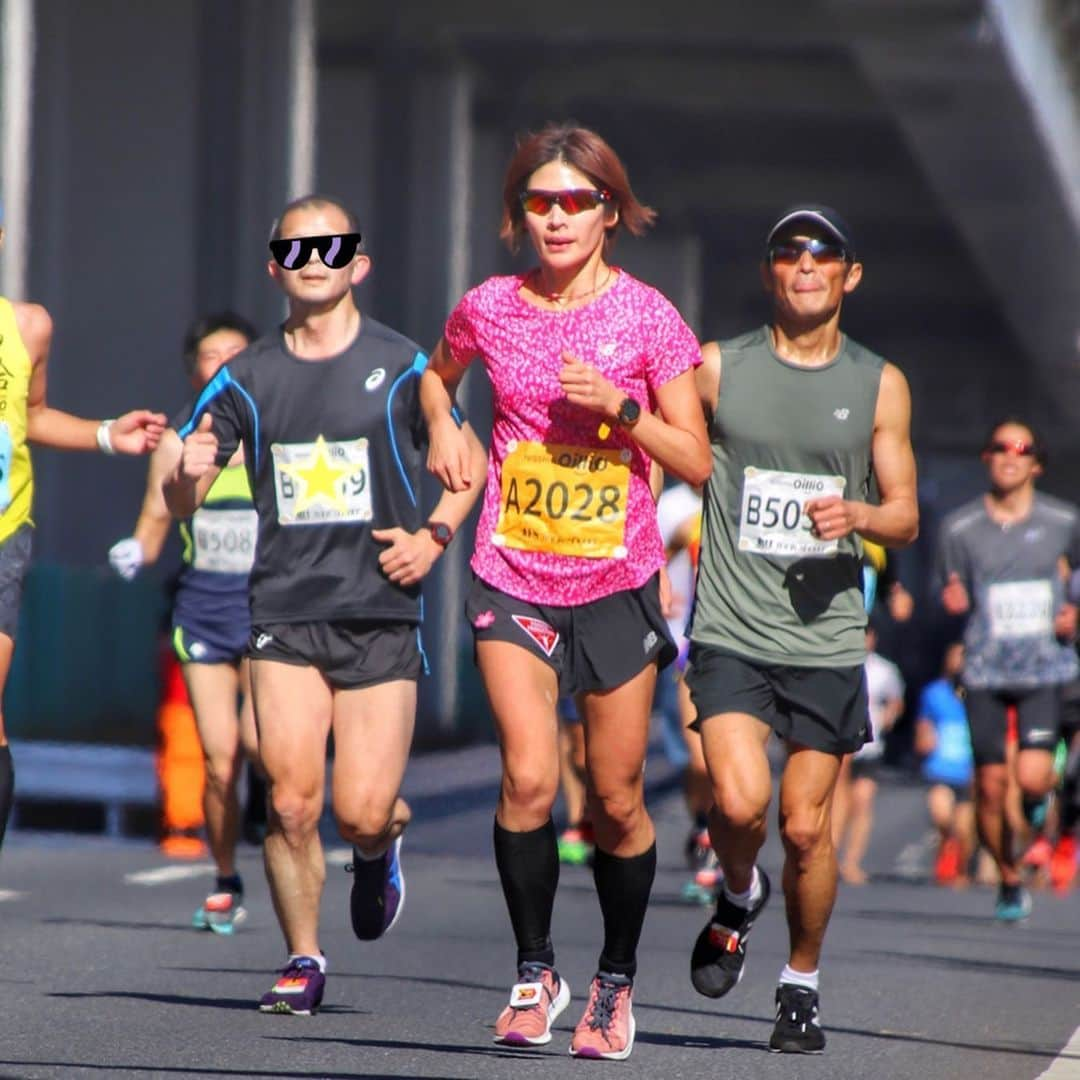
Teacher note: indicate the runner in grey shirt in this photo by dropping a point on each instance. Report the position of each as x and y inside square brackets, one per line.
[1001, 561]
[802, 420]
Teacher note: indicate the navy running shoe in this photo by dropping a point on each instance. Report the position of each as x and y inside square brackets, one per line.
[378, 892]
[716, 964]
[298, 991]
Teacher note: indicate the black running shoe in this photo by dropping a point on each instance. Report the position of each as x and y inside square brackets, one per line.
[797, 1028]
[716, 964]
[378, 892]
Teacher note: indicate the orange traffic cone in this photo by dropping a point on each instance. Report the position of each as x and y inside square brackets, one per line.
[180, 770]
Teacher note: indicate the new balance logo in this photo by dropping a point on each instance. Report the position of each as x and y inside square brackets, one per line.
[263, 640]
[841, 414]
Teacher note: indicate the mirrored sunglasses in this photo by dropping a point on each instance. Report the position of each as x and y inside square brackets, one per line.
[1021, 449]
[575, 201]
[790, 251]
[335, 252]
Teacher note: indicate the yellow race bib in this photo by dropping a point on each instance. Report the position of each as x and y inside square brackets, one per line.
[566, 500]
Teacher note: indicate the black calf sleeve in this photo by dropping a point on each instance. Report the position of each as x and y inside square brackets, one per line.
[7, 788]
[623, 887]
[528, 864]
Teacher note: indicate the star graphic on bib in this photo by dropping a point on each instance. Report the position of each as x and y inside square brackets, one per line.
[320, 476]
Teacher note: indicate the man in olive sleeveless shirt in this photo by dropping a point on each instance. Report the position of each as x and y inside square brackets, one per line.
[802, 420]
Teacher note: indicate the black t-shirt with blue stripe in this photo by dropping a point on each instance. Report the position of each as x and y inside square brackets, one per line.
[333, 449]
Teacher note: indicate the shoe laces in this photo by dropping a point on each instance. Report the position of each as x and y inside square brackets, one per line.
[301, 966]
[603, 1003]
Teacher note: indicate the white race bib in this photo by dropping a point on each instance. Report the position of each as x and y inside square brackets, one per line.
[322, 483]
[224, 540]
[772, 520]
[1021, 609]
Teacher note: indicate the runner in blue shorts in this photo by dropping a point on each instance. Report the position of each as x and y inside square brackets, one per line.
[210, 619]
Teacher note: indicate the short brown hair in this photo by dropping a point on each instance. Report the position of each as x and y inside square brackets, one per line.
[585, 151]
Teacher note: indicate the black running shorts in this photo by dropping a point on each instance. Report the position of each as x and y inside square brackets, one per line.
[1038, 718]
[350, 653]
[822, 708]
[595, 646]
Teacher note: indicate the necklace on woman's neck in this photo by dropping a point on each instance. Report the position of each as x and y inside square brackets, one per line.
[563, 299]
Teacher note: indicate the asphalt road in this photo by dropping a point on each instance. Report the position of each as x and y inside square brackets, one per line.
[101, 975]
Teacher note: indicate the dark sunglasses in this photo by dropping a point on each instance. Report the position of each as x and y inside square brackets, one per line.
[335, 251]
[1021, 449]
[823, 251]
[569, 202]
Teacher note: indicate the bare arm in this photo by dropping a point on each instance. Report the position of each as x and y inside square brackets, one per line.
[154, 522]
[925, 736]
[674, 436]
[449, 455]
[136, 432]
[707, 377]
[409, 557]
[895, 522]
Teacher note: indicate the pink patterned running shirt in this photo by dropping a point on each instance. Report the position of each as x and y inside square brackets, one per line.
[568, 516]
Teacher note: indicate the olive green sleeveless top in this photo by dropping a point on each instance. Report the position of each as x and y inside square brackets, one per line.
[782, 434]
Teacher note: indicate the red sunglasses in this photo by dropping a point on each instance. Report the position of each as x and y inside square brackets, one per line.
[575, 201]
[1021, 449]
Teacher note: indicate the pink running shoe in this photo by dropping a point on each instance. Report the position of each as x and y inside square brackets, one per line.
[536, 999]
[607, 1028]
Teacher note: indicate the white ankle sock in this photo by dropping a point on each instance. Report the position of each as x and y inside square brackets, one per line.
[750, 897]
[809, 979]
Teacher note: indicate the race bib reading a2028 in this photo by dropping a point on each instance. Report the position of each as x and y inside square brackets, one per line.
[773, 521]
[567, 500]
[322, 483]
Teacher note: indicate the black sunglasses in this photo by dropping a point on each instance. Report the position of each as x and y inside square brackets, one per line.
[790, 252]
[335, 251]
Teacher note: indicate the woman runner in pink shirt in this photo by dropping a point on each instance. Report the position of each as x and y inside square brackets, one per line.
[584, 360]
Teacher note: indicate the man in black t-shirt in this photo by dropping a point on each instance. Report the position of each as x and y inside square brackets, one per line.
[326, 408]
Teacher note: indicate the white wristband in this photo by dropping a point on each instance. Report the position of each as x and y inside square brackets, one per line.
[104, 442]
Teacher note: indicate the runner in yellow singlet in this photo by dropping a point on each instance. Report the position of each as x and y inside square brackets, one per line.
[26, 417]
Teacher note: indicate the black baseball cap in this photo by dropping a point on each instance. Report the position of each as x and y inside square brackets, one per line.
[824, 217]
